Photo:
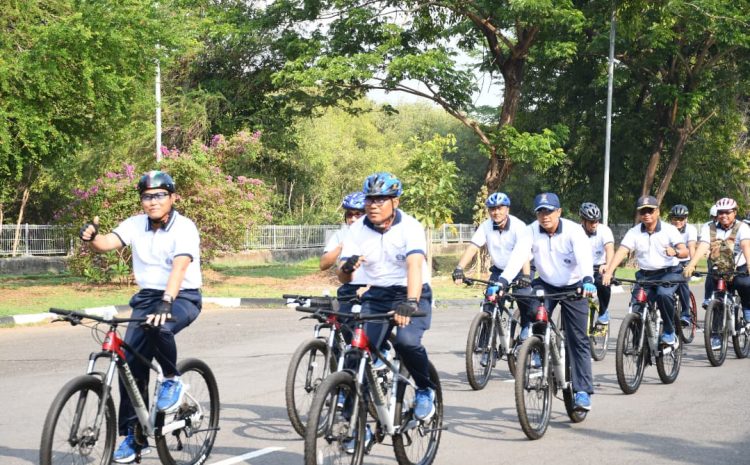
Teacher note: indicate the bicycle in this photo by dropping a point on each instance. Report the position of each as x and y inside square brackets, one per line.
[495, 323]
[542, 370]
[337, 425]
[638, 342]
[724, 317]
[81, 423]
[314, 359]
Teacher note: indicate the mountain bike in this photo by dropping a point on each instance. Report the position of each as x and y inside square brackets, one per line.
[315, 358]
[542, 370]
[638, 342]
[81, 424]
[492, 335]
[724, 317]
[687, 332]
[337, 429]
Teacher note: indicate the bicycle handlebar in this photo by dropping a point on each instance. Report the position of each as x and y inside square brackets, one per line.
[75, 317]
[717, 273]
[539, 294]
[652, 282]
[310, 301]
[359, 316]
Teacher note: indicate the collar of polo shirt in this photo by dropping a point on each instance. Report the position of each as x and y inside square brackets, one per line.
[505, 227]
[396, 220]
[658, 226]
[557, 231]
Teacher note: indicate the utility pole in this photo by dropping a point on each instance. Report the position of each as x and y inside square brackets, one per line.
[608, 136]
[158, 111]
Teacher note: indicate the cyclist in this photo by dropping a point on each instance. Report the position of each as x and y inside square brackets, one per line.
[388, 248]
[678, 217]
[499, 244]
[708, 284]
[658, 247]
[727, 228]
[602, 243]
[166, 265]
[563, 260]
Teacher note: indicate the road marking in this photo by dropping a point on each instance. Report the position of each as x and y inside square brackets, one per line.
[249, 455]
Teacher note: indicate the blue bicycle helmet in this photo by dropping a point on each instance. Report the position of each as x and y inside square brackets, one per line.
[382, 184]
[354, 201]
[156, 180]
[497, 199]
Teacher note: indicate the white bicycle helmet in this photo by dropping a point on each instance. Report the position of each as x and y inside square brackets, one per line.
[726, 204]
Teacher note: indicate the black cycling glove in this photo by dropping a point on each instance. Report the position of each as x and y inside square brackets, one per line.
[349, 264]
[407, 308]
[84, 228]
[458, 274]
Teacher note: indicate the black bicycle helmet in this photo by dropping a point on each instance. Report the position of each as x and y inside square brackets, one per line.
[590, 212]
[156, 180]
[679, 211]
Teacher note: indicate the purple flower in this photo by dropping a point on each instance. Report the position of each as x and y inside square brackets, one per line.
[256, 136]
[164, 150]
[241, 180]
[111, 175]
[216, 140]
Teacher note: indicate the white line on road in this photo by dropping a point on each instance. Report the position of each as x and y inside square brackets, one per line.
[249, 455]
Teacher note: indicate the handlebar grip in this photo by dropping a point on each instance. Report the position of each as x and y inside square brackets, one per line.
[60, 311]
[306, 309]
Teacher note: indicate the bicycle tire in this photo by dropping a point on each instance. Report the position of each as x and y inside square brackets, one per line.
[406, 444]
[312, 356]
[576, 416]
[668, 365]
[685, 333]
[630, 359]
[598, 334]
[715, 357]
[741, 340]
[514, 329]
[199, 407]
[480, 344]
[71, 401]
[529, 381]
[327, 429]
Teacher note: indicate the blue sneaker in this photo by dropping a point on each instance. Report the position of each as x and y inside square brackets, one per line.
[351, 444]
[169, 394]
[603, 318]
[715, 343]
[705, 303]
[379, 365]
[685, 320]
[524, 333]
[668, 339]
[582, 401]
[341, 400]
[126, 452]
[536, 361]
[424, 403]
[746, 314]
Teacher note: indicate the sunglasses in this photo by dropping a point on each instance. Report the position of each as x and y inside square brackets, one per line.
[377, 200]
[724, 212]
[646, 211]
[159, 196]
[353, 214]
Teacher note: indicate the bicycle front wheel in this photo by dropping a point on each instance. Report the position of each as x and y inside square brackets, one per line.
[327, 437]
[630, 357]
[199, 413]
[715, 331]
[418, 440]
[668, 364]
[309, 365]
[740, 341]
[480, 351]
[71, 434]
[533, 389]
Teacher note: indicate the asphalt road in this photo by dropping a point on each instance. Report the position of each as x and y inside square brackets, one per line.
[703, 418]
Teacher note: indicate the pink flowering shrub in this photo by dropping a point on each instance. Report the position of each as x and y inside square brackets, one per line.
[221, 205]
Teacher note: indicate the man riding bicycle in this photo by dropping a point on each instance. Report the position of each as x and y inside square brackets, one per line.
[658, 248]
[727, 228]
[388, 248]
[602, 243]
[563, 259]
[500, 233]
[166, 265]
[678, 217]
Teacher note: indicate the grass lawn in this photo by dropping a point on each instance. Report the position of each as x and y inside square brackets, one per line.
[226, 278]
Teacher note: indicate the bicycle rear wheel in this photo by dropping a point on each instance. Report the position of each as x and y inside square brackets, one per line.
[668, 364]
[630, 357]
[417, 442]
[686, 332]
[70, 434]
[198, 411]
[740, 341]
[533, 391]
[598, 334]
[480, 351]
[576, 416]
[309, 365]
[327, 437]
[715, 327]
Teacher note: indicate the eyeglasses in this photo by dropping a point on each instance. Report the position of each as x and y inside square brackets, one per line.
[679, 218]
[724, 212]
[159, 196]
[492, 209]
[377, 200]
[353, 214]
[646, 211]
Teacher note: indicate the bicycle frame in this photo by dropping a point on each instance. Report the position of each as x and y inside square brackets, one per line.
[550, 337]
[723, 294]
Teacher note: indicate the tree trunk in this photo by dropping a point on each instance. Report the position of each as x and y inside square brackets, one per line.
[683, 134]
[17, 238]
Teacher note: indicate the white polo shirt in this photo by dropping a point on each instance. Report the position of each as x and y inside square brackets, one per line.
[598, 240]
[651, 249]
[154, 250]
[562, 259]
[690, 234]
[338, 238]
[385, 253]
[743, 234]
[500, 241]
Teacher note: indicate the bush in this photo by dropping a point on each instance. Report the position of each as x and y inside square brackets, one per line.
[223, 207]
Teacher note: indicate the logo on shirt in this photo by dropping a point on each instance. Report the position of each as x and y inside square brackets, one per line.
[567, 261]
[401, 257]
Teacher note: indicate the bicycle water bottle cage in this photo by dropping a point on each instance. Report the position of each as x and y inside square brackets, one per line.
[641, 296]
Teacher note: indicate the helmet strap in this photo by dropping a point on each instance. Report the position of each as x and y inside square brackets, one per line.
[162, 222]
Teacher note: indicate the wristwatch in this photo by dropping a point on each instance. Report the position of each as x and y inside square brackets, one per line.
[167, 298]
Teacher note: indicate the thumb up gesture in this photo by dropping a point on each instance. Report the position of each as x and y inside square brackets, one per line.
[89, 230]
